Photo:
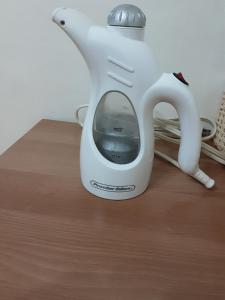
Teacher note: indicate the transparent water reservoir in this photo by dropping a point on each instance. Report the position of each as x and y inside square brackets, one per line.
[116, 130]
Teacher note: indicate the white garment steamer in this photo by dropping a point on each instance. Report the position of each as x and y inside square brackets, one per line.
[117, 145]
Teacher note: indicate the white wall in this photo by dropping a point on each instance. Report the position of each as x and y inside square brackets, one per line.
[43, 75]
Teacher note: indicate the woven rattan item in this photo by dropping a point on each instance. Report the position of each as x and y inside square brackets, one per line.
[219, 139]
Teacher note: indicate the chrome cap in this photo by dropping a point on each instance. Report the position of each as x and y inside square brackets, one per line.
[127, 15]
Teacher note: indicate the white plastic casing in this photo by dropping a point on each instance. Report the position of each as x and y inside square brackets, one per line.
[119, 60]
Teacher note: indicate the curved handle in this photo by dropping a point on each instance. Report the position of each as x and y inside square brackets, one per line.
[169, 89]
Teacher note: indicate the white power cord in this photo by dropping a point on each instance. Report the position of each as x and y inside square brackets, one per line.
[169, 130]
[77, 114]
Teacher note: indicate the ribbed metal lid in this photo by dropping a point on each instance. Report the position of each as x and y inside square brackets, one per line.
[127, 15]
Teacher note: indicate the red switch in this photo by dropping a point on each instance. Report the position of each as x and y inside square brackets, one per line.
[180, 77]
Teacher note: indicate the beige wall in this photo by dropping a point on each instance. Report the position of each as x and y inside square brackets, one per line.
[43, 75]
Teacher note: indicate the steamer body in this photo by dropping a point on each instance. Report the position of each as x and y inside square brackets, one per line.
[117, 145]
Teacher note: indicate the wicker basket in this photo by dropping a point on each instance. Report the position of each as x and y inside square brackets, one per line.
[219, 139]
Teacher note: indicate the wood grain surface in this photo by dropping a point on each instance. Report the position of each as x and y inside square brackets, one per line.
[58, 242]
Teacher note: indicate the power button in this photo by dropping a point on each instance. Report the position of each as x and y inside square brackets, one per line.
[180, 77]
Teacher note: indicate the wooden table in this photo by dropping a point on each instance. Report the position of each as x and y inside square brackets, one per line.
[59, 242]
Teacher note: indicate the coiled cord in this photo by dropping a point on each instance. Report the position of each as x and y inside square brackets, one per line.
[169, 130]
